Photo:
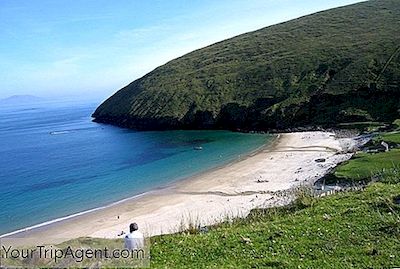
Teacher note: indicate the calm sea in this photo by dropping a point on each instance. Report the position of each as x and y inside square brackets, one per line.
[54, 161]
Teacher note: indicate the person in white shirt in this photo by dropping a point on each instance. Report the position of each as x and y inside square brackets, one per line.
[135, 239]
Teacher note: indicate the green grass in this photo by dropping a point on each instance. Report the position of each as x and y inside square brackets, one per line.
[391, 137]
[349, 230]
[365, 165]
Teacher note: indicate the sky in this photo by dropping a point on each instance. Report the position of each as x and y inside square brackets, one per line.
[92, 48]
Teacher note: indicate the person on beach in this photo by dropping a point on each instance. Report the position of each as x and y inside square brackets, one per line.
[135, 239]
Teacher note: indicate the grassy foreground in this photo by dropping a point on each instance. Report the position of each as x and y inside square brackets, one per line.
[356, 229]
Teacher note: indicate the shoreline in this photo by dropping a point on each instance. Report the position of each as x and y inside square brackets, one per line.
[167, 186]
[231, 190]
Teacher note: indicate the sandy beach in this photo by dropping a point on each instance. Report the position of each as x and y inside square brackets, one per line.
[229, 191]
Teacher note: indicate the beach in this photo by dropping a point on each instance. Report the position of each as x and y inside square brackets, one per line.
[233, 190]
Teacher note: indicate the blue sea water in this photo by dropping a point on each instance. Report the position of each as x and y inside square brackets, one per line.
[54, 161]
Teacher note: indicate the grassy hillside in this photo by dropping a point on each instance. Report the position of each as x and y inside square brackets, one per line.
[340, 65]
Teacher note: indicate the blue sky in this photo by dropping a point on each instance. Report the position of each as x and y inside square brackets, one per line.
[94, 47]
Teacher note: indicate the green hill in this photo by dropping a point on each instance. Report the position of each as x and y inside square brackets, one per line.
[340, 65]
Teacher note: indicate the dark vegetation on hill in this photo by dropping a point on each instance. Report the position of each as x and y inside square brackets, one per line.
[340, 65]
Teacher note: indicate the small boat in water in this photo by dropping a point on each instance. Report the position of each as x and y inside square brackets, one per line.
[198, 148]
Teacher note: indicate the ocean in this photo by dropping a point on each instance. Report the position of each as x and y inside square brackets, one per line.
[54, 161]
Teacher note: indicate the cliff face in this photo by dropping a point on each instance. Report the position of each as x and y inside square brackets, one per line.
[339, 65]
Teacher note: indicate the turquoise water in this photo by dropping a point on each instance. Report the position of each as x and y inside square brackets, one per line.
[54, 161]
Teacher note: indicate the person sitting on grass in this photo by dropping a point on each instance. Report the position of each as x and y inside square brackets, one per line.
[135, 239]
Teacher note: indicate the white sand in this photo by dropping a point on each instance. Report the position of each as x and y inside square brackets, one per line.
[230, 191]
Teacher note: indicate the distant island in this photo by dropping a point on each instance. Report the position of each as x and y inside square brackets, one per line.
[336, 66]
[21, 99]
